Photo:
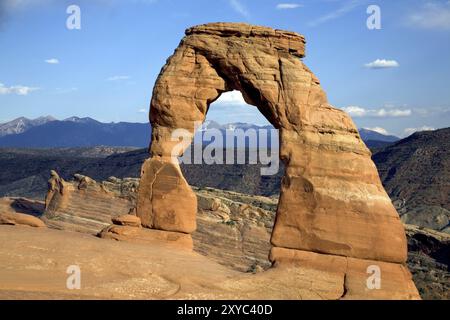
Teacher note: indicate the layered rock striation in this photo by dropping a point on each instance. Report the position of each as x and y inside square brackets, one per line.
[84, 205]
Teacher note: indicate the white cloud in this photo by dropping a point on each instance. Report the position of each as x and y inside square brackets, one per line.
[359, 112]
[347, 7]
[393, 113]
[52, 61]
[355, 111]
[432, 15]
[379, 130]
[18, 90]
[239, 8]
[118, 78]
[287, 6]
[382, 64]
[390, 113]
[231, 98]
[410, 131]
[143, 110]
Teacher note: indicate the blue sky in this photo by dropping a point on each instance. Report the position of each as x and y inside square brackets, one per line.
[396, 79]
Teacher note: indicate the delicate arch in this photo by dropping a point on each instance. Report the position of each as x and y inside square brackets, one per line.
[331, 200]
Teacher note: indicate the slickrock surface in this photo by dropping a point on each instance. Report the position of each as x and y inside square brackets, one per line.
[331, 201]
[147, 236]
[35, 268]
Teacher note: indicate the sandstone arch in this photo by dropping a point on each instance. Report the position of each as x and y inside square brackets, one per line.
[332, 201]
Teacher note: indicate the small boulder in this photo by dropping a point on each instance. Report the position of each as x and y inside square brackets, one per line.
[206, 202]
[127, 220]
[147, 236]
[21, 219]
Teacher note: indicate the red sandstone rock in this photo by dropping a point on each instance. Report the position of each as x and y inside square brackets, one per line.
[20, 219]
[331, 200]
[395, 279]
[127, 220]
[147, 236]
[84, 205]
[166, 201]
[21, 211]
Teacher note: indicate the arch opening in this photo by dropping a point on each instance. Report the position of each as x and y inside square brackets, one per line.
[234, 227]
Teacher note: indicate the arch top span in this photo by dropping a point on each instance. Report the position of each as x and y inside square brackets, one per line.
[263, 63]
[288, 41]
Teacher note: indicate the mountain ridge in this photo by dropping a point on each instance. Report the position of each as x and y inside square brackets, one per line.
[372, 135]
[416, 172]
[48, 132]
[22, 124]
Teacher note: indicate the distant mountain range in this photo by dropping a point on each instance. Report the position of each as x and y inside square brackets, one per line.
[22, 124]
[375, 139]
[72, 132]
[48, 132]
